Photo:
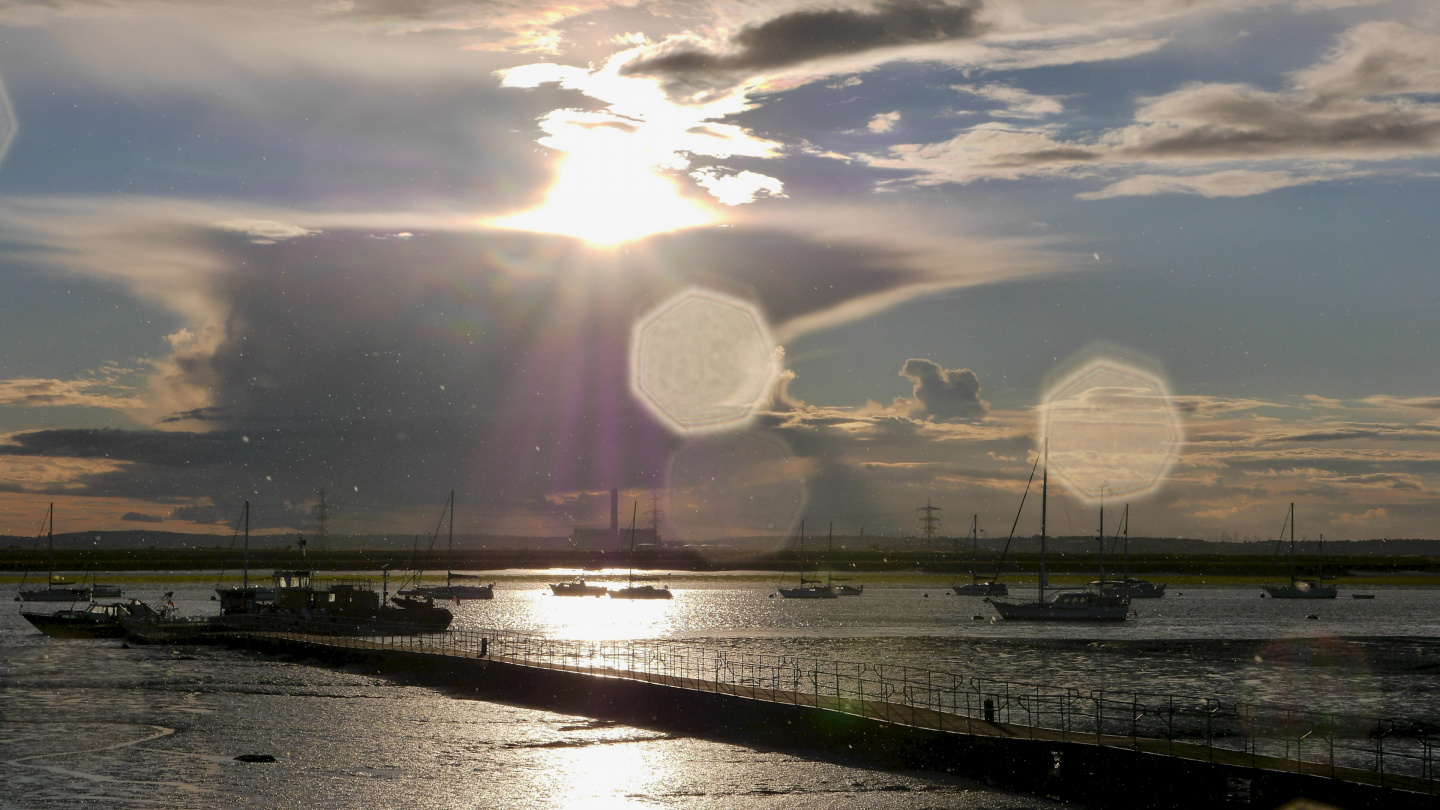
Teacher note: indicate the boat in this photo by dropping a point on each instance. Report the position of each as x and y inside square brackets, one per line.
[976, 587]
[246, 598]
[95, 621]
[1300, 588]
[347, 605]
[450, 590]
[631, 590]
[1126, 585]
[55, 590]
[841, 589]
[1064, 606]
[578, 587]
[807, 588]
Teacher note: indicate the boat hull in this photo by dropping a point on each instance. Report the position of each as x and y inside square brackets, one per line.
[56, 595]
[1131, 588]
[1301, 590]
[463, 592]
[641, 592]
[981, 589]
[574, 589]
[1066, 607]
[849, 590]
[809, 593]
[74, 624]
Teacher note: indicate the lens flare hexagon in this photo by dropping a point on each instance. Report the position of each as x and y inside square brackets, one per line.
[741, 485]
[1111, 431]
[702, 361]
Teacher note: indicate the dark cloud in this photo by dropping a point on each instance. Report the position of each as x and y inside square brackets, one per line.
[141, 517]
[945, 393]
[801, 36]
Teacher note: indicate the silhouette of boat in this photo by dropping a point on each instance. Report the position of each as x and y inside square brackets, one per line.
[55, 590]
[1125, 585]
[1301, 588]
[451, 590]
[631, 590]
[976, 587]
[807, 588]
[95, 621]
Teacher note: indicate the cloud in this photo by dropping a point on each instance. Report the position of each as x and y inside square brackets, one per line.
[1353, 106]
[33, 393]
[1018, 103]
[739, 188]
[883, 122]
[1230, 183]
[1420, 403]
[141, 517]
[943, 393]
[265, 231]
[804, 36]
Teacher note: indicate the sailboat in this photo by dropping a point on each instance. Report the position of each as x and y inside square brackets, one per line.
[841, 588]
[1300, 588]
[1065, 606]
[1125, 585]
[808, 588]
[977, 588]
[633, 591]
[247, 598]
[450, 590]
[55, 590]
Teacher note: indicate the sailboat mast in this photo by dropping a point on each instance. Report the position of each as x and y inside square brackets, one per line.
[50, 545]
[975, 549]
[1044, 493]
[1101, 534]
[1292, 542]
[634, 508]
[1125, 519]
[246, 577]
[450, 547]
[830, 555]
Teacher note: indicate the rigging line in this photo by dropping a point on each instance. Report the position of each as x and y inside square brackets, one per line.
[226, 565]
[1000, 567]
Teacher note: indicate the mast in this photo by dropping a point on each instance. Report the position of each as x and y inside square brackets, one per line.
[50, 546]
[634, 508]
[1101, 534]
[1044, 492]
[450, 548]
[830, 556]
[1292, 542]
[1125, 519]
[246, 576]
[975, 549]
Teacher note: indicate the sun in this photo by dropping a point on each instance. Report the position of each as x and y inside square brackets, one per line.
[605, 199]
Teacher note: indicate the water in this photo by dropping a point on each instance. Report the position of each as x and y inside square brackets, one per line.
[94, 723]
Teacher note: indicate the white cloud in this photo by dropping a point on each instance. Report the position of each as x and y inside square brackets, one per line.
[1018, 103]
[884, 122]
[1230, 183]
[738, 189]
[265, 231]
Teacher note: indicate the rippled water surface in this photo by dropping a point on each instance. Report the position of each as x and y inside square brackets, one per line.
[95, 722]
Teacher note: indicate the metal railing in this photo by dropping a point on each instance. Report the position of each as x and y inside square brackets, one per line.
[1386, 751]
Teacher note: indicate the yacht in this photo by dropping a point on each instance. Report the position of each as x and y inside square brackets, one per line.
[631, 590]
[1125, 585]
[578, 587]
[451, 590]
[55, 590]
[807, 588]
[1064, 606]
[976, 587]
[1301, 588]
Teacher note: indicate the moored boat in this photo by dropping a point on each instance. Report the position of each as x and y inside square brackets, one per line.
[55, 590]
[1300, 588]
[578, 587]
[807, 588]
[977, 586]
[95, 621]
[450, 590]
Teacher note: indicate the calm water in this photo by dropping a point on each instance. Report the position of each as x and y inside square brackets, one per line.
[94, 723]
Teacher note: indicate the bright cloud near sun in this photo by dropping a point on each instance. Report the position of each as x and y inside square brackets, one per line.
[618, 179]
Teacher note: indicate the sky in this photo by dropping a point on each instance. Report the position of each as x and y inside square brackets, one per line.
[750, 263]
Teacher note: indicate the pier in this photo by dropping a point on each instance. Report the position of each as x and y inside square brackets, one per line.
[1116, 749]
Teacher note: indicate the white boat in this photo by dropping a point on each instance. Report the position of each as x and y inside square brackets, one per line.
[631, 590]
[1301, 588]
[1061, 606]
[978, 587]
[808, 588]
[55, 590]
[450, 590]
